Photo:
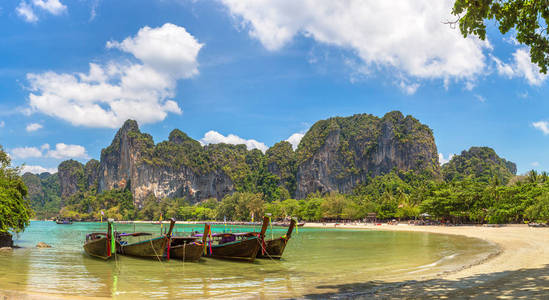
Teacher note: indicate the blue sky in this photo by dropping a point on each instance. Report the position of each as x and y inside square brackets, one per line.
[256, 72]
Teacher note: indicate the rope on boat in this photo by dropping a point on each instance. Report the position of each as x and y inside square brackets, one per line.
[270, 257]
[156, 255]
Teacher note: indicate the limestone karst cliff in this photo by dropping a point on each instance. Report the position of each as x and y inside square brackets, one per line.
[339, 153]
[168, 169]
[336, 154]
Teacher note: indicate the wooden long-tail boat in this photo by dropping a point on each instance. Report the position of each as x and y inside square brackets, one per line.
[102, 244]
[188, 248]
[274, 248]
[64, 221]
[236, 246]
[151, 248]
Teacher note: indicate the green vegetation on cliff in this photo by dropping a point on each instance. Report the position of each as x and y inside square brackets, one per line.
[481, 163]
[387, 166]
[361, 137]
[43, 193]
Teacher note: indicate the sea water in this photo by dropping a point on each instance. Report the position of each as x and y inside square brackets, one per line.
[315, 261]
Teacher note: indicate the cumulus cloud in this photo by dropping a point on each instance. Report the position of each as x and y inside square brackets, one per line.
[521, 66]
[214, 137]
[294, 139]
[442, 160]
[63, 151]
[25, 152]
[405, 35]
[169, 49]
[33, 127]
[543, 126]
[111, 93]
[25, 11]
[408, 88]
[52, 6]
[37, 169]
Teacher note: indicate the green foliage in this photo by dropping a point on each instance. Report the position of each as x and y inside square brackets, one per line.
[15, 211]
[240, 205]
[359, 137]
[281, 160]
[481, 163]
[116, 203]
[43, 194]
[528, 18]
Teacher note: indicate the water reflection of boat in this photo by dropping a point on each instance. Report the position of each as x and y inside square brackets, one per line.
[64, 221]
[274, 248]
[286, 224]
[102, 244]
[235, 246]
[150, 248]
[188, 248]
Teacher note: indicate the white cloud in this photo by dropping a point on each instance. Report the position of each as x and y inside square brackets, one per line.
[442, 160]
[535, 164]
[25, 152]
[168, 49]
[408, 88]
[543, 126]
[294, 139]
[521, 66]
[480, 98]
[2, 124]
[63, 151]
[214, 137]
[52, 6]
[109, 94]
[405, 35]
[33, 127]
[37, 169]
[25, 11]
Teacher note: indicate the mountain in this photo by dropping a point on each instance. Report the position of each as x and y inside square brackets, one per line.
[481, 163]
[339, 153]
[43, 193]
[336, 154]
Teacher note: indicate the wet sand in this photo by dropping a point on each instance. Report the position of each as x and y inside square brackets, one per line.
[520, 270]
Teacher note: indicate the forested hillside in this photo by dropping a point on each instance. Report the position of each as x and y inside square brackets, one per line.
[344, 168]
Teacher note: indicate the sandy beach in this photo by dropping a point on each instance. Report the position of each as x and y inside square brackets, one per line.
[519, 270]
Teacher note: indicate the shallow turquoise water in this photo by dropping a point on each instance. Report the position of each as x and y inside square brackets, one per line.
[313, 258]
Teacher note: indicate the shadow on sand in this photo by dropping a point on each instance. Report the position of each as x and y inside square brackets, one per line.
[520, 284]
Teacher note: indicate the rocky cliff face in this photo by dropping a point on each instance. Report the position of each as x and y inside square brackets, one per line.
[336, 154]
[164, 170]
[71, 178]
[339, 153]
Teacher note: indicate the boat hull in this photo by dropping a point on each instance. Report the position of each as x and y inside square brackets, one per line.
[98, 248]
[239, 250]
[153, 248]
[273, 248]
[187, 252]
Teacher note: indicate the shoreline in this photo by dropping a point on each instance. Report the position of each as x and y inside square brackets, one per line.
[519, 269]
[520, 246]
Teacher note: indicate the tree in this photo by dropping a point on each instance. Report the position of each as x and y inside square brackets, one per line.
[15, 211]
[529, 18]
